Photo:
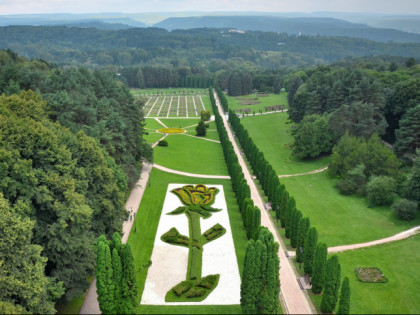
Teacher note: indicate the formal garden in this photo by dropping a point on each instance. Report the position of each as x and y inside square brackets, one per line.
[189, 240]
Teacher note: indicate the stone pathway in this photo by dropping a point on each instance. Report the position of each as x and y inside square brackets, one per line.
[295, 300]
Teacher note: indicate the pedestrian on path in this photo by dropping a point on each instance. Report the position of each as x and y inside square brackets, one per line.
[134, 215]
[131, 218]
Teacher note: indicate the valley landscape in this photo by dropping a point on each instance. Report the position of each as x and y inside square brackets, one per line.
[197, 161]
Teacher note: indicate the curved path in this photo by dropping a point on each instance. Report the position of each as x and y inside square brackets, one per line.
[168, 170]
[295, 300]
[397, 237]
[307, 173]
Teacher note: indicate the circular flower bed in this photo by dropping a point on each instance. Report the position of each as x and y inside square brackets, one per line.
[171, 130]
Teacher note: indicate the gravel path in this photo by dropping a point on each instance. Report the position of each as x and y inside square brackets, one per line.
[307, 173]
[400, 236]
[294, 298]
[168, 170]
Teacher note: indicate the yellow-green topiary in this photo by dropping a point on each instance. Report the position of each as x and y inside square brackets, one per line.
[171, 130]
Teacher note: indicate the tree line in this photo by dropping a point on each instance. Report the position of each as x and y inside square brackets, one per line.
[260, 279]
[325, 274]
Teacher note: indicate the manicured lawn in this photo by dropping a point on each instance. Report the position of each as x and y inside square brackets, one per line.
[272, 99]
[151, 123]
[192, 155]
[147, 221]
[152, 137]
[273, 136]
[211, 134]
[400, 263]
[341, 219]
[180, 122]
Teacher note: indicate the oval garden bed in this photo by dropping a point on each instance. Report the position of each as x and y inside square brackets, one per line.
[171, 130]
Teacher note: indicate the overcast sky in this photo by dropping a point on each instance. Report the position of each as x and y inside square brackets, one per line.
[134, 6]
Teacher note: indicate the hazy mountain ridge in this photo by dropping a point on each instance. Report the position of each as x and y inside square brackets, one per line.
[291, 25]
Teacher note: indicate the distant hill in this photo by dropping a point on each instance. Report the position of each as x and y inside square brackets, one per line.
[99, 21]
[291, 25]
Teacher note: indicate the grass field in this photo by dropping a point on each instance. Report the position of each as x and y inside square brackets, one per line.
[191, 155]
[341, 219]
[400, 263]
[273, 136]
[147, 221]
[272, 99]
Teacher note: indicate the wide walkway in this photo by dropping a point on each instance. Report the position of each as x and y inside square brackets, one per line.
[293, 297]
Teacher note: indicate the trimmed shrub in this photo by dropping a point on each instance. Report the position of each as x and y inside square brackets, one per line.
[195, 292]
[182, 287]
[173, 237]
[214, 232]
[208, 282]
[163, 143]
[405, 209]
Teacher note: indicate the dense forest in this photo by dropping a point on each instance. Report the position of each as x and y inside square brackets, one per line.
[209, 50]
[349, 110]
[71, 145]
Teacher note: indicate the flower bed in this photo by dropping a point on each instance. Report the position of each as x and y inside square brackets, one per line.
[171, 130]
[370, 274]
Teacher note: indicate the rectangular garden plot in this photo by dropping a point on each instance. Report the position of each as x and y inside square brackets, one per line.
[193, 259]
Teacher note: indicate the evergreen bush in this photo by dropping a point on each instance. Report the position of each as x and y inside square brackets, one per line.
[163, 143]
[405, 209]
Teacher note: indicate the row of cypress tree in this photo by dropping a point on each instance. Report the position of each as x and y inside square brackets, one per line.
[115, 276]
[302, 237]
[260, 279]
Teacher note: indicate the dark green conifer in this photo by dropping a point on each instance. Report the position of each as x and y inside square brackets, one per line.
[297, 216]
[318, 275]
[303, 231]
[309, 249]
[344, 303]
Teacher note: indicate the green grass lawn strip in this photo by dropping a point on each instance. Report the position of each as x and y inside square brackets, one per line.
[400, 263]
[191, 155]
[273, 137]
[272, 99]
[341, 219]
[152, 124]
[152, 137]
[147, 221]
[180, 122]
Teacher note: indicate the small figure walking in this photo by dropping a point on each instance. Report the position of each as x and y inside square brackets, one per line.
[131, 218]
[134, 215]
[135, 228]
